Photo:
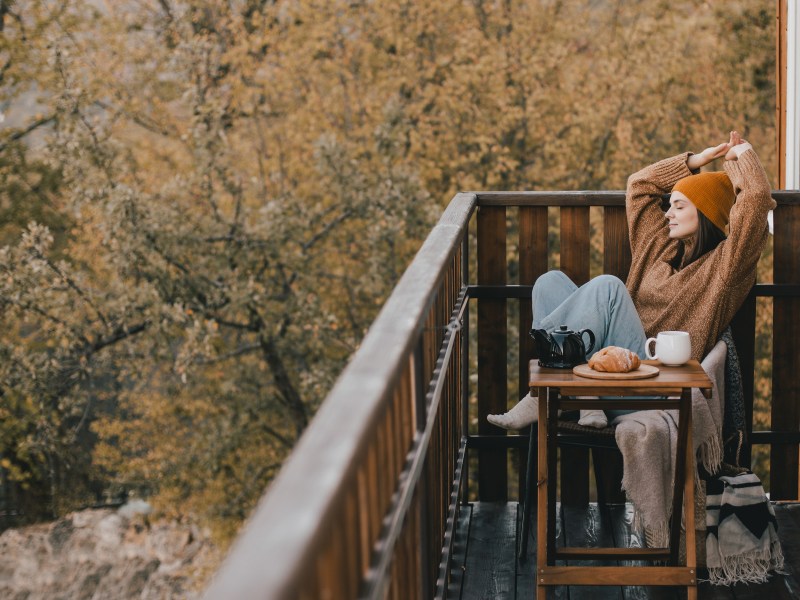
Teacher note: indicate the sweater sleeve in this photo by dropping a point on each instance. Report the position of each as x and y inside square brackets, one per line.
[748, 219]
[646, 224]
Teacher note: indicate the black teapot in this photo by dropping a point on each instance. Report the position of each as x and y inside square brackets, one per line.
[563, 348]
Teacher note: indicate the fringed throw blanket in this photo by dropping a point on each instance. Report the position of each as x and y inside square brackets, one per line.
[648, 441]
[742, 543]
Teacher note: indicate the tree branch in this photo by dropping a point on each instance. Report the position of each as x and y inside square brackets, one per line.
[231, 354]
[298, 412]
[18, 135]
[120, 334]
[327, 229]
[149, 126]
[71, 283]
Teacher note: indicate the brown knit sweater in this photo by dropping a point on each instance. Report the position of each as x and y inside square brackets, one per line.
[702, 297]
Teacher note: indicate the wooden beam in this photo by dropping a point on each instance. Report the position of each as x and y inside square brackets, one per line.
[781, 7]
[492, 350]
[616, 576]
[785, 480]
[533, 252]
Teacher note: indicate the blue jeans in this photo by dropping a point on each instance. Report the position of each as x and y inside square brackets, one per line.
[602, 305]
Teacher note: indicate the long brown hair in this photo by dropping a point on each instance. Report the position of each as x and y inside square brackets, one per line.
[706, 238]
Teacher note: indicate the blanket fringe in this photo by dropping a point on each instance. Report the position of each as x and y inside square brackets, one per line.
[710, 454]
[753, 567]
[655, 536]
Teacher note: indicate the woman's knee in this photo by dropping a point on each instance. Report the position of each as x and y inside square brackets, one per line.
[552, 276]
[551, 287]
[610, 283]
[551, 279]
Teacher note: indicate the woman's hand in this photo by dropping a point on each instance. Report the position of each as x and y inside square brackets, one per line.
[695, 161]
[737, 145]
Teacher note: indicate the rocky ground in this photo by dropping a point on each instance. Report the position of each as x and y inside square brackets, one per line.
[105, 554]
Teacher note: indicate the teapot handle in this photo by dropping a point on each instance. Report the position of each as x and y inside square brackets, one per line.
[591, 339]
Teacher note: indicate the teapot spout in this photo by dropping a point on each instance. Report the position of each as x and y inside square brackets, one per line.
[544, 342]
[540, 335]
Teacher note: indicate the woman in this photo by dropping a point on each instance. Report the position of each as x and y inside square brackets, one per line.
[685, 274]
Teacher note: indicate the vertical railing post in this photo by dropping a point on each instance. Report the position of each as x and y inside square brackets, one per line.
[575, 250]
[492, 349]
[785, 353]
[616, 261]
[532, 264]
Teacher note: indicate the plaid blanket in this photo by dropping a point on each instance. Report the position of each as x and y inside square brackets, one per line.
[742, 545]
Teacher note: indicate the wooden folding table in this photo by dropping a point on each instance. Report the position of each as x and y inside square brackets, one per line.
[556, 389]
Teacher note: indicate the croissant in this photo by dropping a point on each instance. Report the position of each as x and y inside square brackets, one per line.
[614, 359]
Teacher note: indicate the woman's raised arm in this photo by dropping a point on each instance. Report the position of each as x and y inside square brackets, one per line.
[695, 161]
[748, 219]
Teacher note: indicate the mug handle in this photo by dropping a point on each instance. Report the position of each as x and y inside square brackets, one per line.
[591, 339]
[647, 349]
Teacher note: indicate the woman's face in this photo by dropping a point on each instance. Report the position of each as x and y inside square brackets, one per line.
[682, 217]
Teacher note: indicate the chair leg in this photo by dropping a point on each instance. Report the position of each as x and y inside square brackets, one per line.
[527, 502]
[608, 476]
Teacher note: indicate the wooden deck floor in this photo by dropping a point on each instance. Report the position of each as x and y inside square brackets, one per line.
[485, 567]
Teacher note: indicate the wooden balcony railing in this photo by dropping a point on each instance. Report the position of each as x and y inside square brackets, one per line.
[366, 505]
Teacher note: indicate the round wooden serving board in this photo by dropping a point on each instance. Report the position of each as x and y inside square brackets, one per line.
[643, 372]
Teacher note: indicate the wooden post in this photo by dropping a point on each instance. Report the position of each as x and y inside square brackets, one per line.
[784, 462]
[492, 350]
[781, 8]
[616, 245]
[616, 261]
[575, 263]
[532, 264]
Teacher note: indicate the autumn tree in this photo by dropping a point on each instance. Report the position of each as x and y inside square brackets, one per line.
[221, 196]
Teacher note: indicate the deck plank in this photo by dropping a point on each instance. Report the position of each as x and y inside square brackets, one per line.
[487, 565]
[788, 516]
[491, 552]
[621, 518]
[586, 527]
[459, 557]
[526, 571]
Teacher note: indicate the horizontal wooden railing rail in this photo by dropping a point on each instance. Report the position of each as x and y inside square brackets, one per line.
[588, 198]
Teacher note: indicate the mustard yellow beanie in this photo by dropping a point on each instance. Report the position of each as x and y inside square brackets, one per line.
[712, 193]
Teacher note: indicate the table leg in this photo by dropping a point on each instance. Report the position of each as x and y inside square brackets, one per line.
[691, 547]
[684, 422]
[530, 491]
[552, 471]
[541, 483]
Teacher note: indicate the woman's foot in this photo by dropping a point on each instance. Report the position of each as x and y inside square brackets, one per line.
[526, 412]
[593, 418]
[523, 414]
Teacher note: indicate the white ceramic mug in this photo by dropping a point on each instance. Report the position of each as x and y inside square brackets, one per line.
[673, 348]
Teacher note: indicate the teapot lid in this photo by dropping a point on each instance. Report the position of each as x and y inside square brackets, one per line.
[563, 330]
